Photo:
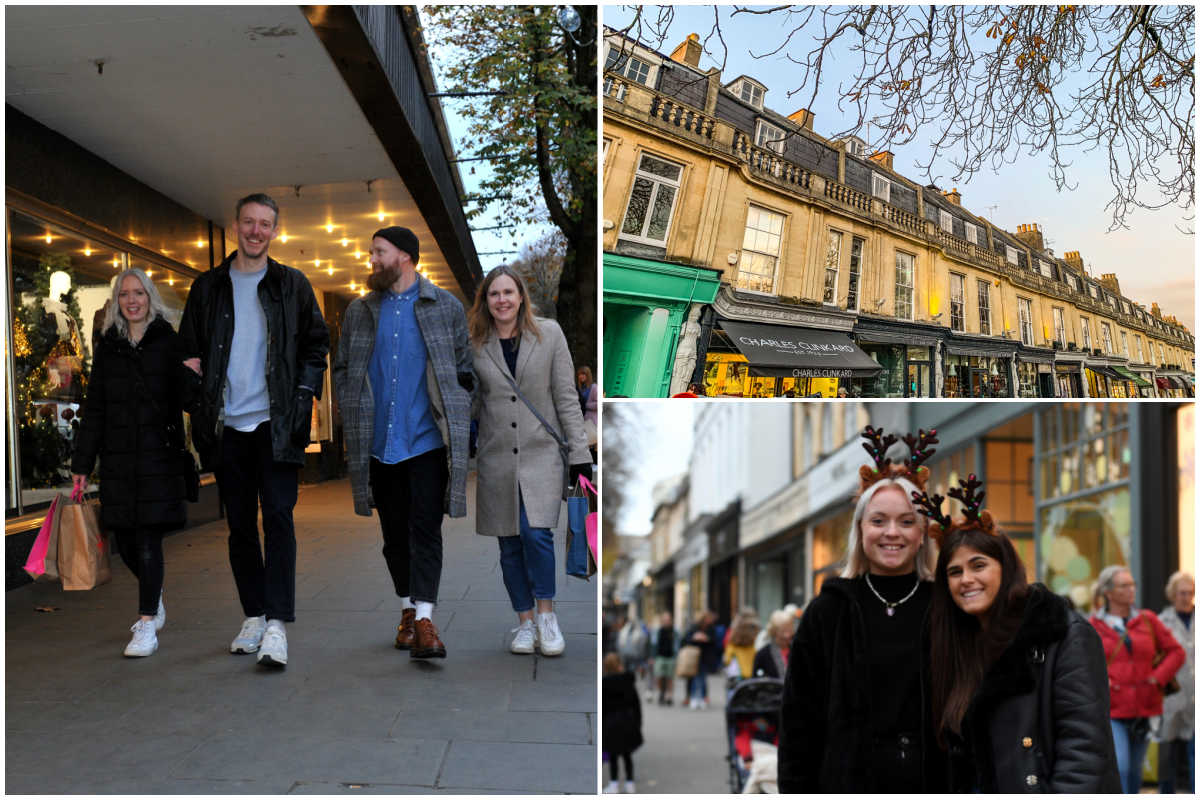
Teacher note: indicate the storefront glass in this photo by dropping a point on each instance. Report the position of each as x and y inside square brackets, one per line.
[829, 546]
[1083, 465]
[728, 375]
[61, 287]
[1028, 375]
[907, 372]
[977, 376]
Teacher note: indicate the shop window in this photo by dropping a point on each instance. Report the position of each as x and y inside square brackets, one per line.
[1086, 330]
[60, 284]
[833, 256]
[770, 137]
[1025, 312]
[1106, 333]
[1060, 327]
[829, 547]
[905, 267]
[891, 379]
[985, 307]
[957, 304]
[652, 201]
[760, 250]
[856, 253]
[1028, 375]
[976, 376]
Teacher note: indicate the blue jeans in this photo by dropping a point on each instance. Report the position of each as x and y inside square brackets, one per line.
[527, 564]
[1130, 755]
[698, 686]
[1169, 754]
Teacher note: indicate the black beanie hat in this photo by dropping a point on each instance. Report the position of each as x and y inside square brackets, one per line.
[404, 239]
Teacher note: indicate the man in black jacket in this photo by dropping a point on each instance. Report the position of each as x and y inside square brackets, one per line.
[251, 418]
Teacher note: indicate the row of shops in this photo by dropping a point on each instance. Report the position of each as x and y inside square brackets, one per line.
[740, 347]
[1077, 486]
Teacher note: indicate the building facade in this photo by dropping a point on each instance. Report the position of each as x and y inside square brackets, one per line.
[836, 272]
[101, 175]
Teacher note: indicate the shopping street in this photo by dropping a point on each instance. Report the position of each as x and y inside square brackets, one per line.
[350, 712]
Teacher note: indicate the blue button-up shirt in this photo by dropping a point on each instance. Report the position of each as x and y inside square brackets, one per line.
[404, 425]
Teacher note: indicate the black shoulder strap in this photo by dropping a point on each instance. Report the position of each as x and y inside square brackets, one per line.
[138, 376]
[562, 442]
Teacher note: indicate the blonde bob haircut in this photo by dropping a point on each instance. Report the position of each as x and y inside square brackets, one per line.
[480, 324]
[113, 318]
[856, 563]
[1174, 581]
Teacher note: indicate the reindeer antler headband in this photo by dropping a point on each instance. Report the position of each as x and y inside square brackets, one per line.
[911, 469]
[974, 515]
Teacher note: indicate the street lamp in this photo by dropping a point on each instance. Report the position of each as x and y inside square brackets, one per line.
[568, 18]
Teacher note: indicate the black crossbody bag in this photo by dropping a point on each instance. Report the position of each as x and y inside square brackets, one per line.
[191, 475]
[564, 446]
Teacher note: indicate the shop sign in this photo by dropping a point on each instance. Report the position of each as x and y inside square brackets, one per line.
[1045, 368]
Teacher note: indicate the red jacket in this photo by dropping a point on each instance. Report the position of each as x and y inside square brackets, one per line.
[1129, 693]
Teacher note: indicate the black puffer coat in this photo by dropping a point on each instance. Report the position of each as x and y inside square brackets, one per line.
[297, 343]
[622, 713]
[141, 473]
[827, 727]
[1039, 720]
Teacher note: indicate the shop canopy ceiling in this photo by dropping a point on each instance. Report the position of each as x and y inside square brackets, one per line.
[779, 351]
[208, 104]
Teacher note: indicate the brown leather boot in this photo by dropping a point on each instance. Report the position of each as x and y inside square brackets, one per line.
[404, 633]
[425, 641]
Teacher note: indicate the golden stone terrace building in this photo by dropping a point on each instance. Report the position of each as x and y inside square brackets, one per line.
[746, 252]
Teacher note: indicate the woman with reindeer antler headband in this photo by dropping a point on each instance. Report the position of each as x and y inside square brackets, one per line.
[1020, 689]
[855, 715]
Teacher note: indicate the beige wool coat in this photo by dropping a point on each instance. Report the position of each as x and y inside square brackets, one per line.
[514, 450]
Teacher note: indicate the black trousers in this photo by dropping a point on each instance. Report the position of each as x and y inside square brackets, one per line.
[411, 497]
[141, 550]
[248, 476]
[614, 760]
[898, 764]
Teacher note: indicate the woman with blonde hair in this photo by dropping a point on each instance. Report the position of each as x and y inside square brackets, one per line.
[741, 643]
[133, 413]
[855, 714]
[532, 447]
[1175, 730]
[771, 660]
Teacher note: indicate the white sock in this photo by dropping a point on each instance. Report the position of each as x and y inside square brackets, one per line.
[424, 610]
[278, 622]
[406, 603]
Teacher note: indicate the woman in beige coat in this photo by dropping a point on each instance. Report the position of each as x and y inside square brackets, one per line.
[521, 470]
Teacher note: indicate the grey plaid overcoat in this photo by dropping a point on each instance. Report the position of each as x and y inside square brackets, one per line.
[443, 325]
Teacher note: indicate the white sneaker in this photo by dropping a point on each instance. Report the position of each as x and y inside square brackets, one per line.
[611, 788]
[251, 635]
[273, 651]
[630, 788]
[525, 640]
[552, 641]
[649, 694]
[160, 619]
[144, 641]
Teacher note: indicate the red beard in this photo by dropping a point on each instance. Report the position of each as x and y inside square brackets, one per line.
[384, 278]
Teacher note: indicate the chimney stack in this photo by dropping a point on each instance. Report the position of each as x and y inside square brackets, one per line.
[688, 52]
[1030, 235]
[1109, 281]
[1073, 258]
[953, 196]
[803, 118]
[883, 157]
[1155, 311]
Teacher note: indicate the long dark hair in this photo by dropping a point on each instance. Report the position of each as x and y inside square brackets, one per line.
[961, 648]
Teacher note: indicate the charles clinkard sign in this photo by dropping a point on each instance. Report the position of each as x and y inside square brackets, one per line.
[776, 351]
[813, 348]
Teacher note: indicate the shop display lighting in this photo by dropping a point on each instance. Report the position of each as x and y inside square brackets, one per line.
[329, 228]
[283, 238]
[345, 242]
[87, 251]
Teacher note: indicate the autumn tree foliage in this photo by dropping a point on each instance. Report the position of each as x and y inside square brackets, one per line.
[984, 84]
[545, 126]
[540, 264]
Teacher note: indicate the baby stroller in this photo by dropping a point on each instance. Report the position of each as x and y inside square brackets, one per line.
[751, 713]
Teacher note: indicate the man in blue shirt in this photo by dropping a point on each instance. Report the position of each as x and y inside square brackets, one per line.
[404, 379]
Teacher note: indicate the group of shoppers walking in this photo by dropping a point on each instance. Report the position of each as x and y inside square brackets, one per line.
[411, 372]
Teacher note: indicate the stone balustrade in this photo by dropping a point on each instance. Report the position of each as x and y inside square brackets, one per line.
[847, 196]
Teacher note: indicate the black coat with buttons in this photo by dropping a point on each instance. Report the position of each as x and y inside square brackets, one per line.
[1039, 721]
[141, 468]
[297, 344]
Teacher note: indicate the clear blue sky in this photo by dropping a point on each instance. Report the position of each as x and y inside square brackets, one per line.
[664, 448]
[1153, 261]
[485, 241]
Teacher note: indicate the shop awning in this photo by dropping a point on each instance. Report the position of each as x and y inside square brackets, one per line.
[1132, 376]
[1162, 383]
[1031, 357]
[1107, 371]
[978, 352]
[779, 351]
[895, 338]
[1178, 383]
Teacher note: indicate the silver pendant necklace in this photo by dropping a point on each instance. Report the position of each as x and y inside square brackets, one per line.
[891, 607]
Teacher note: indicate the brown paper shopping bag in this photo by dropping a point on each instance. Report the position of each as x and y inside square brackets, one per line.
[83, 550]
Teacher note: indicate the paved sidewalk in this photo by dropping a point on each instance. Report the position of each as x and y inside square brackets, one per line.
[349, 714]
[684, 751]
